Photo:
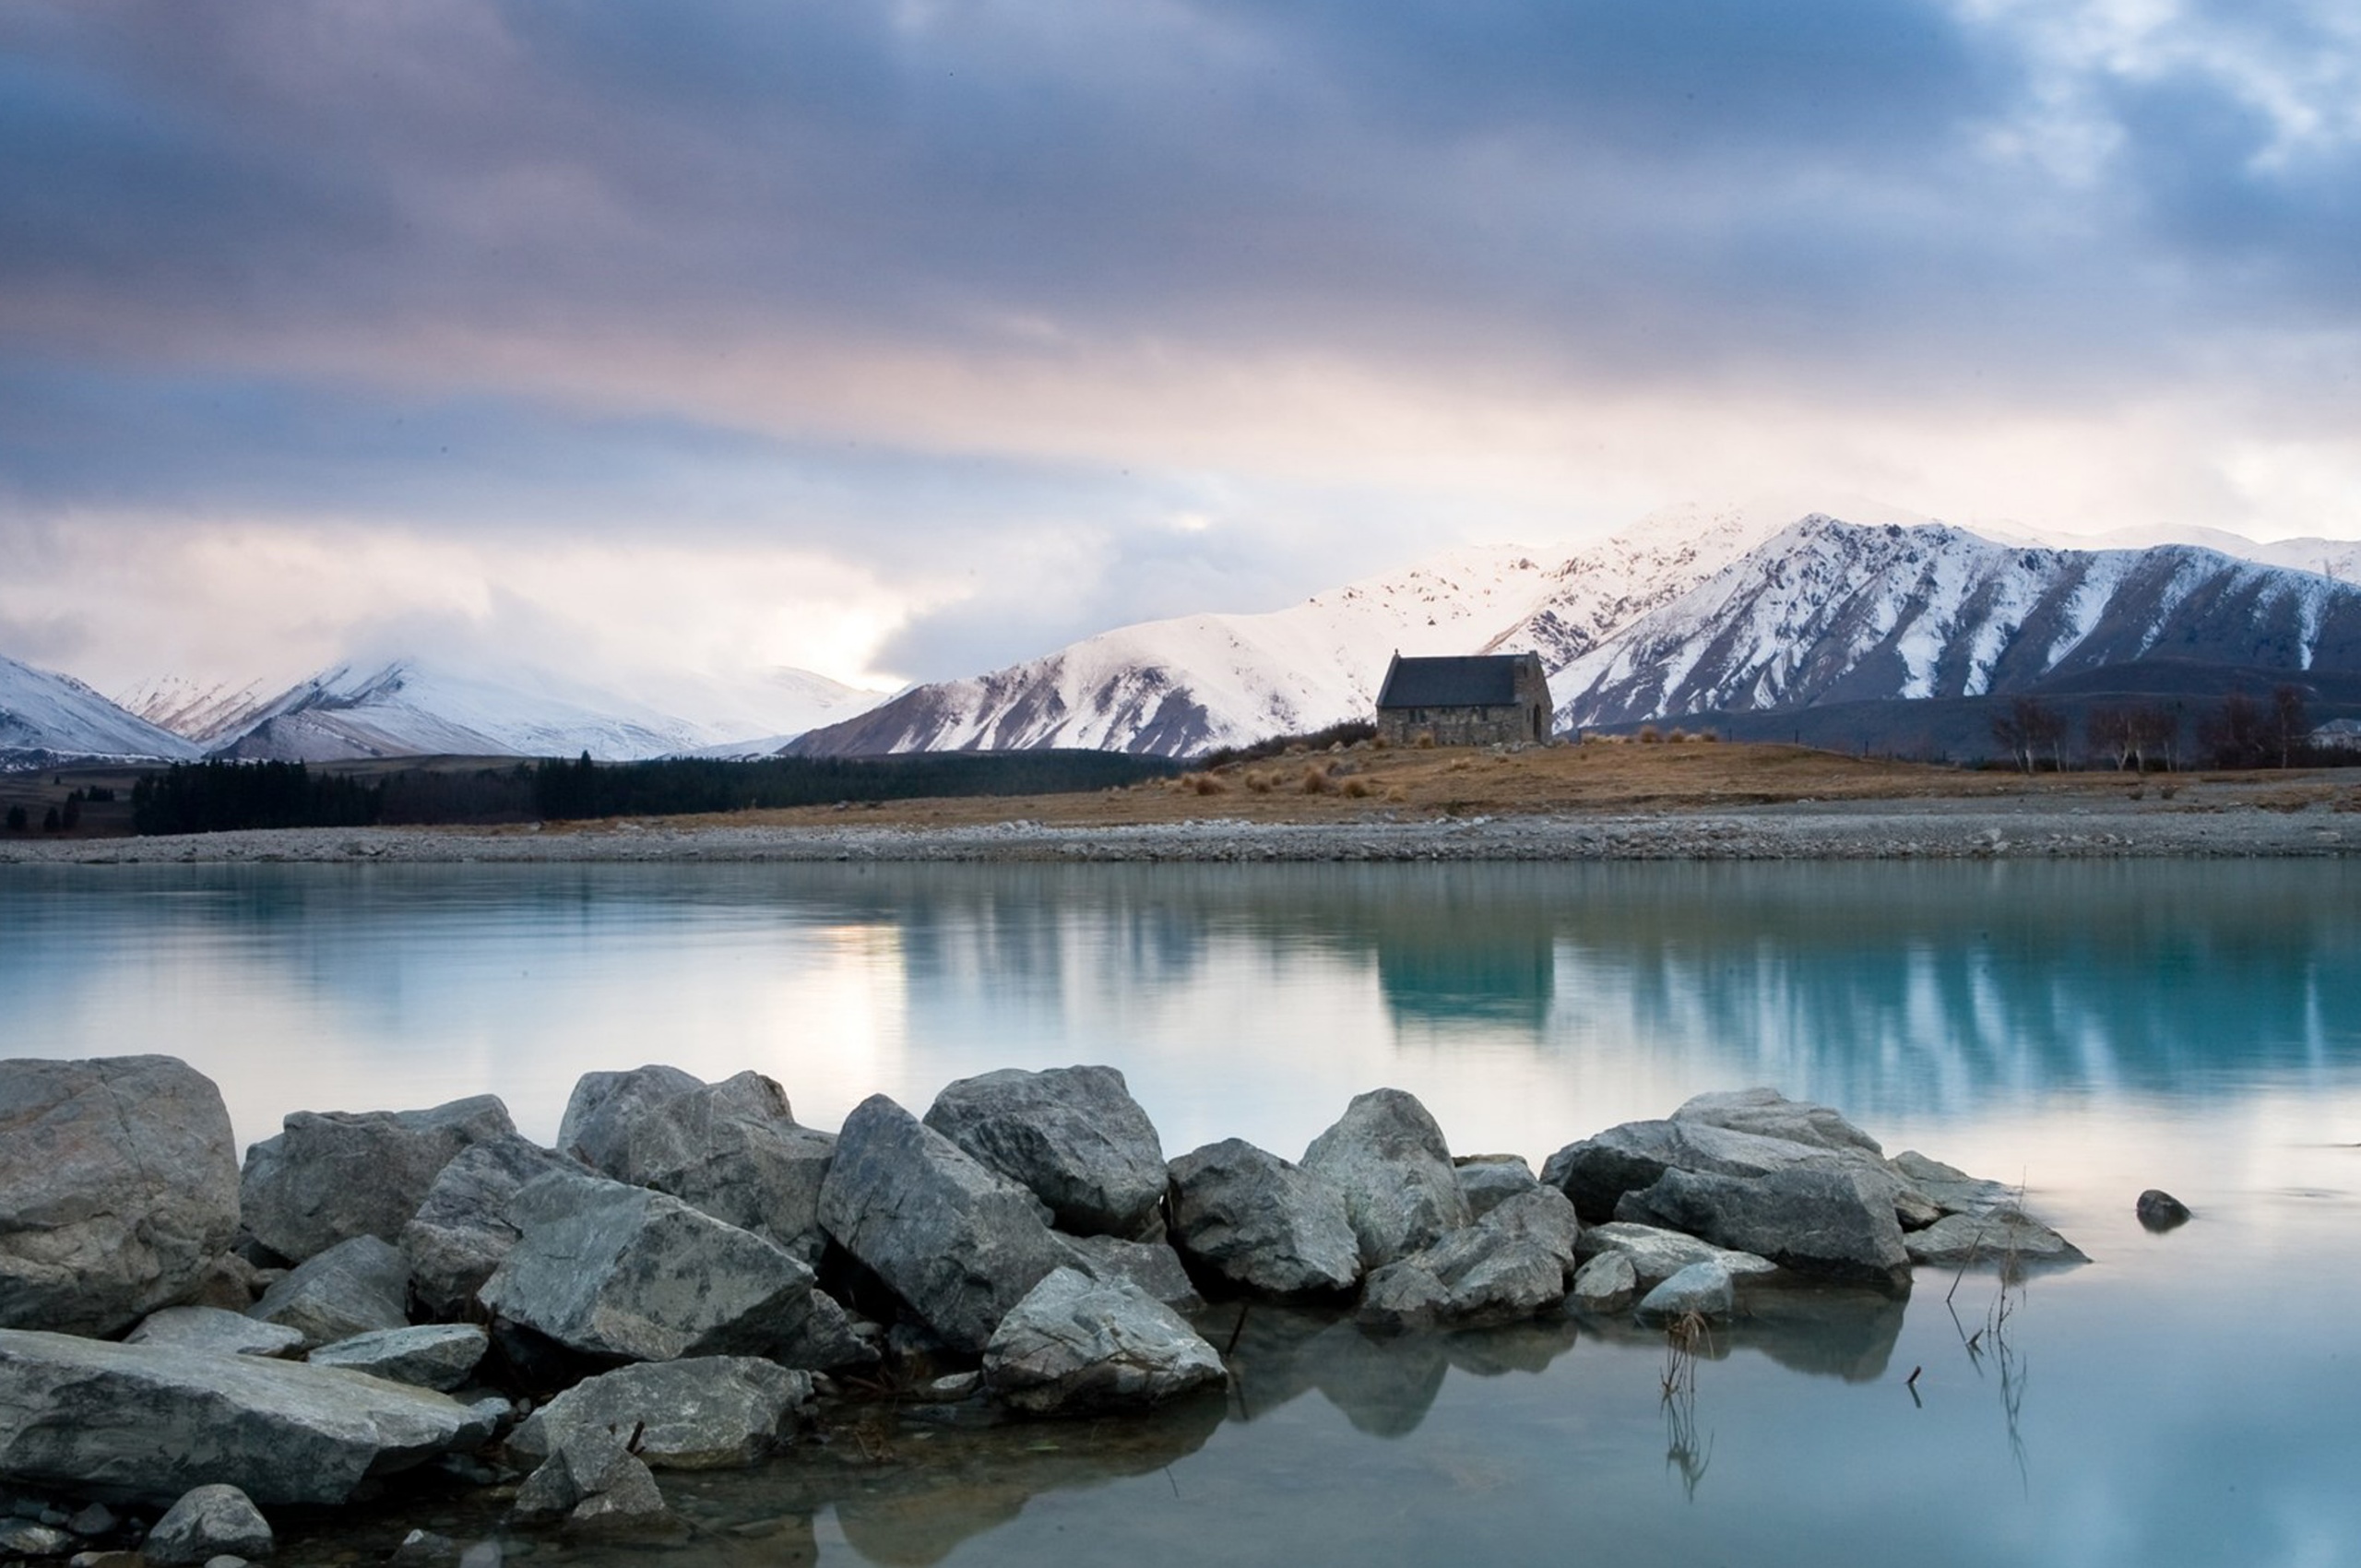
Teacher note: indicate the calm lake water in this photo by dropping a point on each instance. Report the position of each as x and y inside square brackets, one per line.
[2089, 1030]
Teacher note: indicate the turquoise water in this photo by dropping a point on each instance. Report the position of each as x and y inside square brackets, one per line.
[2088, 1029]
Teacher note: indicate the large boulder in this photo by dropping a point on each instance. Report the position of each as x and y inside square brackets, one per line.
[1827, 1223]
[217, 1330]
[356, 1287]
[1072, 1136]
[1511, 1264]
[461, 1231]
[1388, 1157]
[1597, 1172]
[613, 1270]
[1657, 1255]
[1703, 1290]
[208, 1522]
[599, 1111]
[1154, 1266]
[434, 1355]
[118, 1186]
[330, 1176]
[144, 1424]
[1948, 1189]
[703, 1413]
[1771, 1114]
[1244, 1215]
[594, 1483]
[2004, 1238]
[958, 1243]
[1078, 1345]
[730, 1148]
[1487, 1181]
[1604, 1286]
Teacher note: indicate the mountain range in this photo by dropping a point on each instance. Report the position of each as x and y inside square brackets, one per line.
[1884, 630]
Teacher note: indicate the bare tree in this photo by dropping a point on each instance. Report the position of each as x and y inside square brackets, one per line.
[2291, 726]
[2113, 732]
[2234, 735]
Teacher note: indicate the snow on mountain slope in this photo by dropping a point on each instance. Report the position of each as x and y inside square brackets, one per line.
[56, 715]
[1830, 611]
[194, 710]
[410, 709]
[1173, 688]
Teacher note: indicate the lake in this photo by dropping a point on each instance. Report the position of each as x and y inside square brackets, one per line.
[2089, 1030]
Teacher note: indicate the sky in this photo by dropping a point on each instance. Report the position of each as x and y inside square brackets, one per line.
[904, 340]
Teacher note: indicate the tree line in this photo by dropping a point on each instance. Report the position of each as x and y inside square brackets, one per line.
[2239, 732]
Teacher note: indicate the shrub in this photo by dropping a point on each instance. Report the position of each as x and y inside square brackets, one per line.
[1357, 788]
[1316, 780]
[1650, 735]
[1206, 784]
[1259, 783]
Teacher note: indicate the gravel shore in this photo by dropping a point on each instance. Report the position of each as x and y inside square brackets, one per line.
[1929, 829]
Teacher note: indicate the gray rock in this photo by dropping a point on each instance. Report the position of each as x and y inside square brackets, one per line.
[1949, 1190]
[1827, 1223]
[626, 1501]
[704, 1413]
[1077, 1346]
[1488, 1179]
[94, 1521]
[1511, 1264]
[730, 1148]
[960, 1244]
[143, 1423]
[589, 1460]
[228, 1282]
[23, 1538]
[2159, 1211]
[1771, 1114]
[1264, 1226]
[1999, 1237]
[599, 1112]
[227, 1560]
[355, 1287]
[1657, 1254]
[1606, 1286]
[1072, 1136]
[1703, 1289]
[330, 1176]
[425, 1549]
[209, 1521]
[212, 1329]
[430, 1356]
[1154, 1266]
[1389, 1160]
[612, 1270]
[461, 1231]
[118, 1186]
[1597, 1172]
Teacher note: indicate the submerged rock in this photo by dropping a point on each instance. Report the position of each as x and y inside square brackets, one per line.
[1072, 1136]
[2160, 1211]
[144, 1424]
[1261, 1224]
[208, 1522]
[430, 1356]
[705, 1413]
[118, 1188]
[356, 1287]
[216, 1331]
[330, 1176]
[612, 1270]
[1388, 1159]
[958, 1243]
[1513, 1264]
[1606, 1285]
[461, 1231]
[1827, 1223]
[1077, 1346]
[1704, 1289]
[731, 1149]
[2001, 1237]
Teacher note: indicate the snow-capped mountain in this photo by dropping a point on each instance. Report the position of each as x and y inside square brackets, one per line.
[200, 711]
[1829, 612]
[55, 716]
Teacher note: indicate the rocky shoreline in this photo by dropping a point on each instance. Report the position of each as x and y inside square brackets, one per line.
[2203, 821]
[692, 1279]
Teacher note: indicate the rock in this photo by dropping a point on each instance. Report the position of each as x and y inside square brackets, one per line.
[625, 1500]
[1072, 1136]
[461, 1231]
[1999, 1237]
[331, 1176]
[94, 1521]
[1488, 1179]
[1828, 1223]
[1951, 1191]
[599, 1112]
[425, 1549]
[1631, 1158]
[143, 1423]
[228, 1282]
[22, 1537]
[227, 1560]
[212, 1329]
[1389, 1159]
[355, 1287]
[1606, 1286]
[1154, 1266]
[1657, 1254]
[1768, 1113]
[209, 1521]
[1511, 1264]
[617, 1271]
[954, 1386]
[132, 1559]
[1076, 1346]
[704, 1413]
[593, 1481]
[430, 1356]
[2160, 1211]
[731, 1149]
[118, 1187]
[958, 1243]
[1704, 1289]
[1261, 1224]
